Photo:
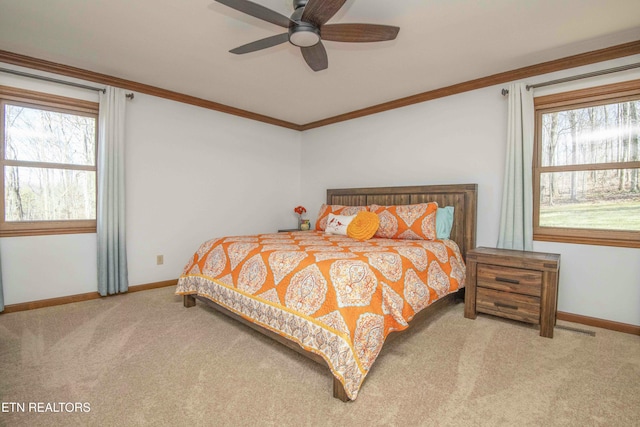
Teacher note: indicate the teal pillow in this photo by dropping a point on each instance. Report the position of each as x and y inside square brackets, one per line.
[444, 222]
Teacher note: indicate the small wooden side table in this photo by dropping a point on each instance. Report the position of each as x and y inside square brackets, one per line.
[518, 285]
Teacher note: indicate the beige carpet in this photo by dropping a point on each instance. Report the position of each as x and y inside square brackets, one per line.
[143, 359]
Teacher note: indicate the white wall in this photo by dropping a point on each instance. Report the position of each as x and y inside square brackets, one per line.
[438, 142]
[192, 174]
[462, 139]
[42, 267]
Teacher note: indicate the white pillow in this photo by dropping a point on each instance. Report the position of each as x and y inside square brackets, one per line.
[337, 224]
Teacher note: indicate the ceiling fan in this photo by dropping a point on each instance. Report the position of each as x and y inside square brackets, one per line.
[307, 28]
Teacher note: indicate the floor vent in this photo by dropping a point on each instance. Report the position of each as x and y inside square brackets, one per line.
[580, 331]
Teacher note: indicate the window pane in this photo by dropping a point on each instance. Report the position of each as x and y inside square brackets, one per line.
[48, 136]
[606, 200]
[43, 194]
[599, 134]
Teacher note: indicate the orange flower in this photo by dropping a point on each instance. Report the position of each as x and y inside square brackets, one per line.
[299, 210]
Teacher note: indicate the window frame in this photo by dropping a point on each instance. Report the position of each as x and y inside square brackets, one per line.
[607, 94]
[56, 103]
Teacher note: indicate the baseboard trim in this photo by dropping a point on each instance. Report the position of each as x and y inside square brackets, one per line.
[154, 285]
[599, 323]
[32, 305]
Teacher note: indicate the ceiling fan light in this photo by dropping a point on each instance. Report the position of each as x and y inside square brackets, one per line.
[304, 36]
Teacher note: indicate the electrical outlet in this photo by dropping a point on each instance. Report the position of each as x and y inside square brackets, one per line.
[160, 259]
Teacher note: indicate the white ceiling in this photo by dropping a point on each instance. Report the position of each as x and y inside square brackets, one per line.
[183, 46]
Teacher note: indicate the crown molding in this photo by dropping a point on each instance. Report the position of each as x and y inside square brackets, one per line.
[79, 73]
[601, 55]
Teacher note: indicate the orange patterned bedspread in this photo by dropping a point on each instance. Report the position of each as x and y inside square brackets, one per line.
[333, 295]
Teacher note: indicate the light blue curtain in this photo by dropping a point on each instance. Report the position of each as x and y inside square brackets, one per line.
[112, 252]
[516, 219]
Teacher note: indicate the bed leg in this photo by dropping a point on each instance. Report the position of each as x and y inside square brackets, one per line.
[338, 390]
[188, 301]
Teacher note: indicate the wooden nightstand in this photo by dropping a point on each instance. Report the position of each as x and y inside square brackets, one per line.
[518, 285]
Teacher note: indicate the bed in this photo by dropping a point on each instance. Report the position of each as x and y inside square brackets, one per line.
[334, 299]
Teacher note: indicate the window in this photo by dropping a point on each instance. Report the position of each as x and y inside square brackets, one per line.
[48, 159]
[587, 166]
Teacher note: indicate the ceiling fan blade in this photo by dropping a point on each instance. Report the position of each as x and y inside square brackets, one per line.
[316, 56]
[320, 11]
[261, 44]
[358, 33]
[258, 11]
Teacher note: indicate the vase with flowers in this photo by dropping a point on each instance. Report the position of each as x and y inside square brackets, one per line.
[303, 224]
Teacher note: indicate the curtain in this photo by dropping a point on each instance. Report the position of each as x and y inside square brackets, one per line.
[516, 219]
[112, 252]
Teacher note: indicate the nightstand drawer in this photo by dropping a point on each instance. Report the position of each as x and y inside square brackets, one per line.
[505, 304]
[509, 279]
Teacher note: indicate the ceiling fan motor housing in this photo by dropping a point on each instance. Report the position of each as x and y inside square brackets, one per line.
[299, 3]
[298, 9]
[302, 34]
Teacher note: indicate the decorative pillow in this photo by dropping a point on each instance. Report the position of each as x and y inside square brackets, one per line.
[412, 222]
[444, 222]
[337, 224]
[325, 210]
[363, 226]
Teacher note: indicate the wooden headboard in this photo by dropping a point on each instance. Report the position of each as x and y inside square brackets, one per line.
[462, 197]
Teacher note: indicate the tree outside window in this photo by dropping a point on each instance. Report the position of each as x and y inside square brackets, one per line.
[49, 164]
[587, 166]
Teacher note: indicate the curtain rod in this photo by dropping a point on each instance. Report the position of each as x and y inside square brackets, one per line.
[51, 79]
[580, 76]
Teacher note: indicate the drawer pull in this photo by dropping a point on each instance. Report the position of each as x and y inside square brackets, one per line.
[500, 304]
[504, 279]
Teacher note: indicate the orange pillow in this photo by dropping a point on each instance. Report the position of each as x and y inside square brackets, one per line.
[363, 226]
[412, 222]
[325, 210]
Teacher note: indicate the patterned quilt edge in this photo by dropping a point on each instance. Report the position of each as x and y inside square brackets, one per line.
[350, 374]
